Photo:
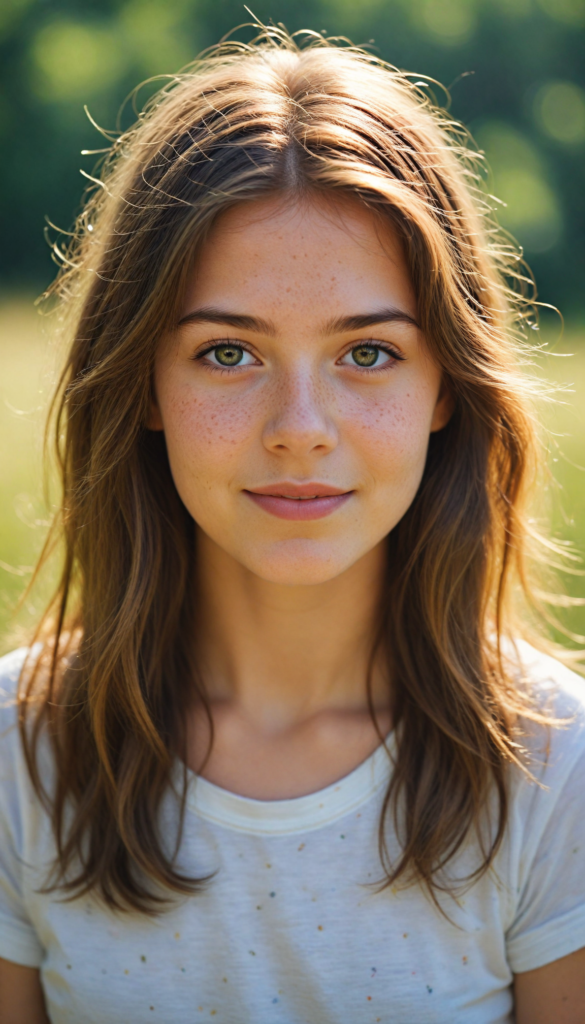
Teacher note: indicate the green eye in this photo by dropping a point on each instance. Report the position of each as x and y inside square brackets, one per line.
[228, 355]
[365, 355]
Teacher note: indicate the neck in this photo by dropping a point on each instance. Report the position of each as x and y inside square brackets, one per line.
[284, 654]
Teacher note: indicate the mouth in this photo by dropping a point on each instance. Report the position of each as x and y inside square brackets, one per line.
[299, 501]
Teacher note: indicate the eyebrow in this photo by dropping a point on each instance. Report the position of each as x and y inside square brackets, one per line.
[388, 315]
[339, 325]
[242, 322]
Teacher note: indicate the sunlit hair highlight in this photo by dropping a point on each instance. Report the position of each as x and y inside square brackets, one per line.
[118, 667]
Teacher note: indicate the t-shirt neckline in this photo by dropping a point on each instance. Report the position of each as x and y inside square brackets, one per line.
[299, 814]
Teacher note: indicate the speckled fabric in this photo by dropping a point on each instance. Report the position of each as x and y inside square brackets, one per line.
[292, 927]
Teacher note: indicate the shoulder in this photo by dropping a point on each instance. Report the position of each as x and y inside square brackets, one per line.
[546, 824]
[549, 679]
[552, 749]
[11, 667]
[557, 693]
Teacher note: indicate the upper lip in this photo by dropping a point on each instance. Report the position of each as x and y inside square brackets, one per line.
[292, 490]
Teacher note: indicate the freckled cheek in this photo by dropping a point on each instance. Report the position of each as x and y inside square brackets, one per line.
[205, 433]
[390, 436]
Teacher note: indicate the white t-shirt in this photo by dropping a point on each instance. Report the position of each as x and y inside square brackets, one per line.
[290, 929]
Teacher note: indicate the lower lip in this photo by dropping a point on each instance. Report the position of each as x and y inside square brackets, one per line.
[292, 508]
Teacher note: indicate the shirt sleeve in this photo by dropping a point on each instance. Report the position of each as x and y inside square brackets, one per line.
[18, 939]
[549, 922]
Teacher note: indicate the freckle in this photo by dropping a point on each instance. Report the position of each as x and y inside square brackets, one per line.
[251, 952]
[369, 999]
[177, 935]
[152, 1007]
[126, 971]
[301, 847]
[405, 935]
[212, 1013]
[269, 865]
[320, 928]
[225, 980]
[259, 907]
[182, 970]
[464, 959]
[143, 958]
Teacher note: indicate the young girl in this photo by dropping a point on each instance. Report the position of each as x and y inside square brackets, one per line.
[280, 754]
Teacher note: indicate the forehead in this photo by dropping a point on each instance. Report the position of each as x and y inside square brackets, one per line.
[313, 255]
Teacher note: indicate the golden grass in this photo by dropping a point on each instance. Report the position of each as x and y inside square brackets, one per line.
[26, 380]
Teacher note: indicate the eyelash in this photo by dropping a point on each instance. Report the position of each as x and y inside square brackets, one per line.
[388, 349]
[382, 347]
[220, 344]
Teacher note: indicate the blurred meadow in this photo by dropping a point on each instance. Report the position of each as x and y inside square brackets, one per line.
[514, 74]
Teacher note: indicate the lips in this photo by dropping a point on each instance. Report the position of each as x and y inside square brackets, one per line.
[299, 501]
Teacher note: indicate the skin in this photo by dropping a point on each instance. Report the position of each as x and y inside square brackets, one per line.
[21, 995]
[286, 607]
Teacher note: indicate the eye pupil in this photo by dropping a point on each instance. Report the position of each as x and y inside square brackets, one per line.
[365, 355]
[228, 355]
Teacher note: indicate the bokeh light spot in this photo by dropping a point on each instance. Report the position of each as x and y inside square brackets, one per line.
[74, 60]
[571, 12]
[532, 211]
[450, 21]
[560, 111]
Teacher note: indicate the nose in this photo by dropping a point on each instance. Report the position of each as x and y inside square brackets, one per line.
[301, 422]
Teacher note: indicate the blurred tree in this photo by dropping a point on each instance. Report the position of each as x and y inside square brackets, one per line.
[514, 69]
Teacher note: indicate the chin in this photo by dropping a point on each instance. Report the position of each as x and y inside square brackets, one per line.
[300, 563]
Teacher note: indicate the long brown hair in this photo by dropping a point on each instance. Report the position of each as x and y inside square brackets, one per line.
[118, 665]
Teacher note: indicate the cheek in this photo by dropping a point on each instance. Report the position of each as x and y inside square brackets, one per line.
[392, 433]
[206, 434]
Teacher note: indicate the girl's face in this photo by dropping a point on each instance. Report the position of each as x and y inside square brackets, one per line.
[297, 394]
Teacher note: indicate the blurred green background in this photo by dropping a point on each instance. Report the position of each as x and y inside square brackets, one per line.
[516, 76]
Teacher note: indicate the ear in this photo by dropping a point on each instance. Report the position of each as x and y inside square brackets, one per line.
[444, 407]
[154, 418]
